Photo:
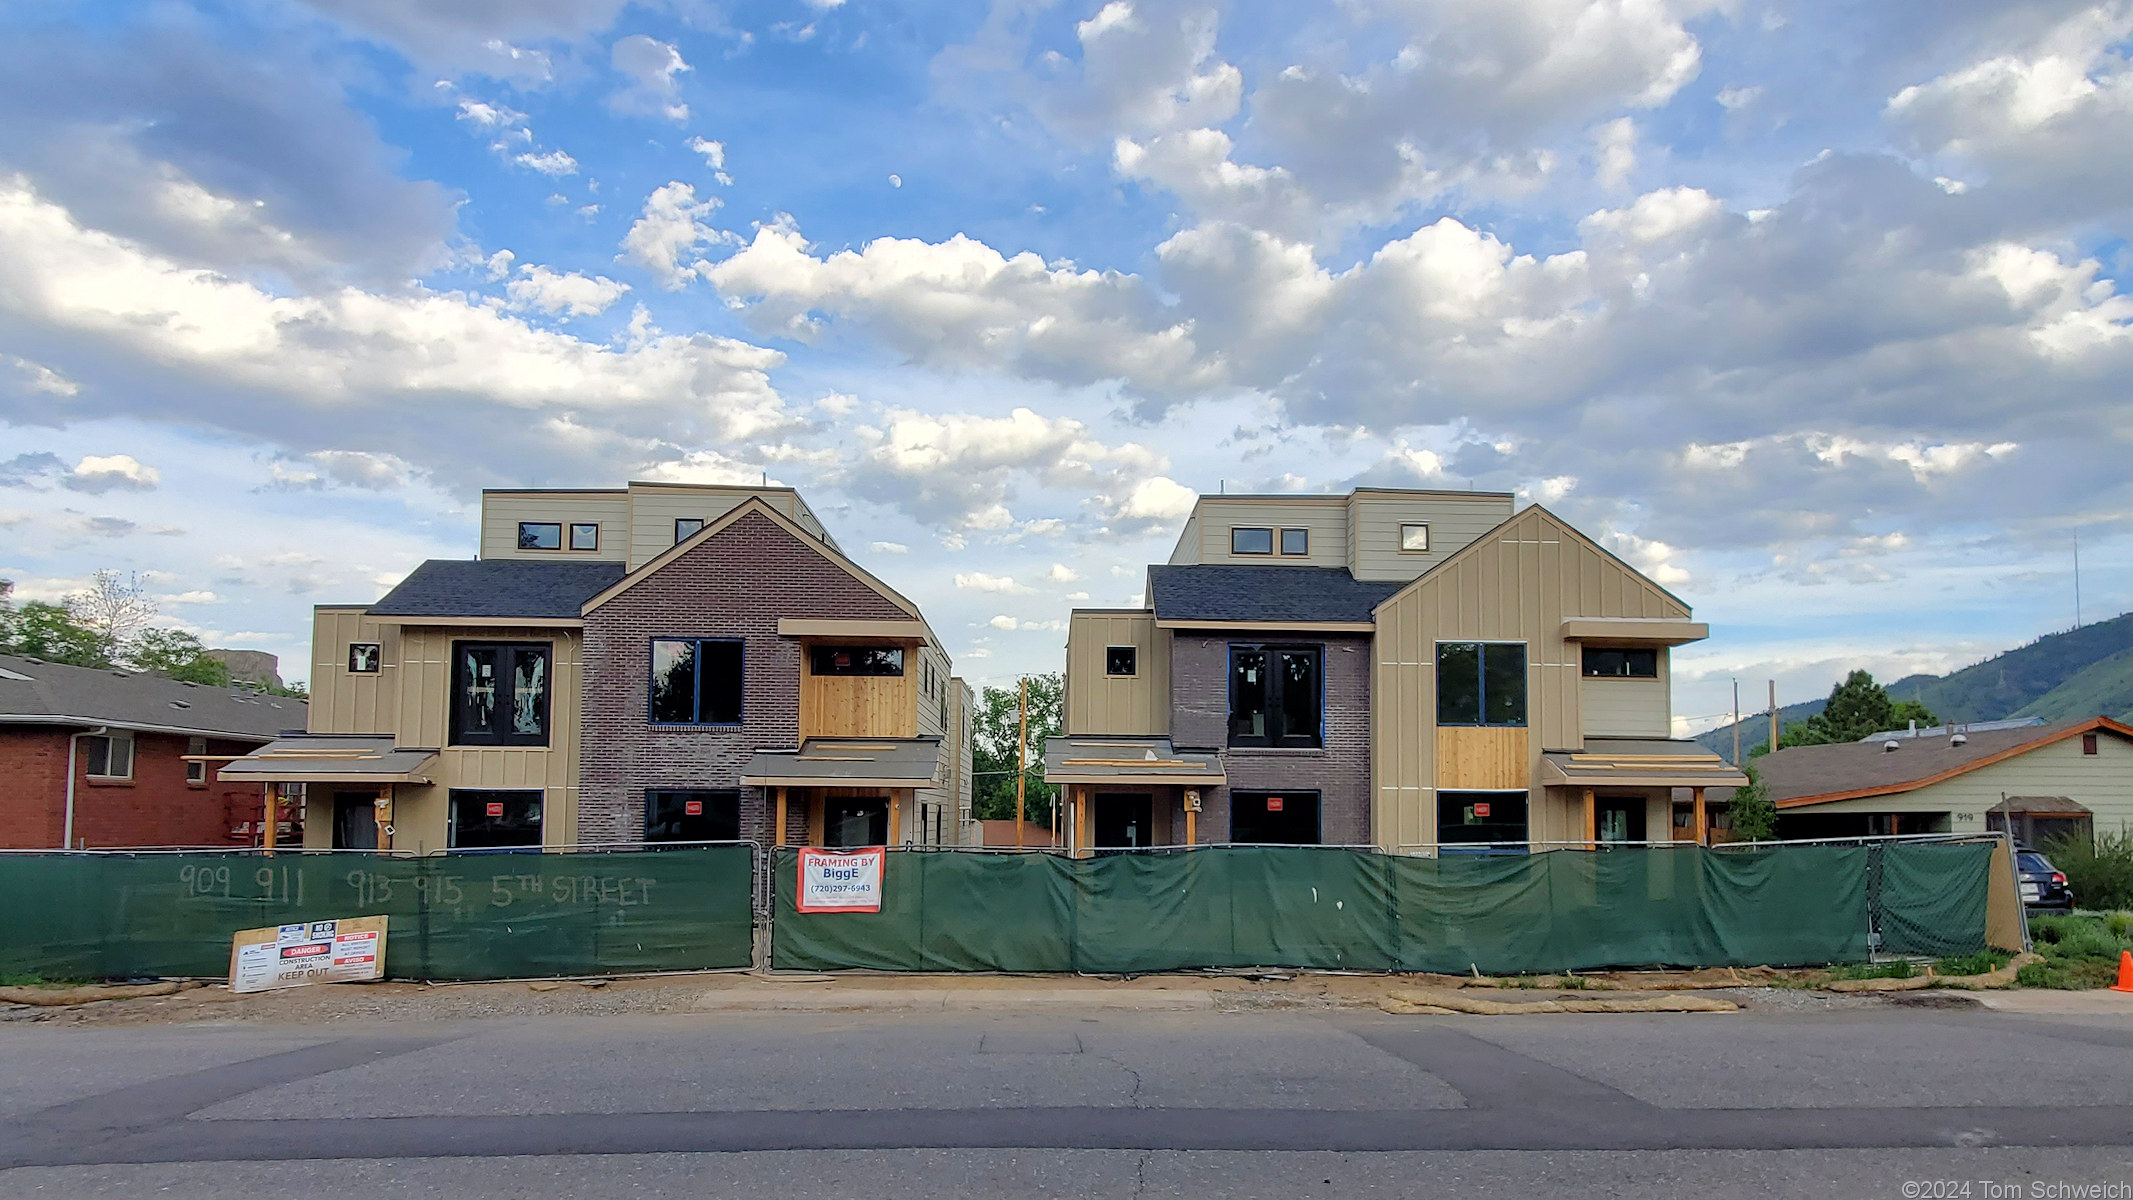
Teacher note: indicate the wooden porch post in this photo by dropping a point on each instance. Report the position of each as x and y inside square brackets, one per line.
[384, 817]
[1703, 824]
[1592, 821]
[777, 836]
[270, 799]
[896, 805]
[1081, 823]
[1192, 825]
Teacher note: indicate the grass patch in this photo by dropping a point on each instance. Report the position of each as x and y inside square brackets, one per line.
[2080, 950]
[1983, 961]
[1902, 968]
[33, 979]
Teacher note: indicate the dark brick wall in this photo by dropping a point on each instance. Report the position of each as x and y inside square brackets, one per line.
[736, 584]
[157, 807]
[1339, 772]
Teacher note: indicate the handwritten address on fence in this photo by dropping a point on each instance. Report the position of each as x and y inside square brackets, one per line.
[288, 885]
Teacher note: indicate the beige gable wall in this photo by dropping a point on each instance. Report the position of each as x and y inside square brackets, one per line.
[1454, 519]
[1325, 516]
[502, 511]
[654, 509]
[1100, 703]
[2102, 781]
[341, 701]
[1517, 585]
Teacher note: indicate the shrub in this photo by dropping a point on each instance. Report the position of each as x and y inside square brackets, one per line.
[1973, 964]
[2099, 871]
[2079, 951]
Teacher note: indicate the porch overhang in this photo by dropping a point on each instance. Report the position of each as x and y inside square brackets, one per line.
[1128, 760]
[1638, 762]
[849, 762]
[1635, 631]
[331, 758]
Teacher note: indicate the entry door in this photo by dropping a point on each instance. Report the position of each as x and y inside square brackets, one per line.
[848, 824]
[355, 821]
[1123, 820]
[1619, 818]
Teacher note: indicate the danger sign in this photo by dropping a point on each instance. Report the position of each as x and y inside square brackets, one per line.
[840, 880]
[496, 808]
[1273, 804]
[350, 950]
[693, 808]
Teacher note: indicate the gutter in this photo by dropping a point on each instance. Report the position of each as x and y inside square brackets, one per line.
[66, 837]
[227, 735]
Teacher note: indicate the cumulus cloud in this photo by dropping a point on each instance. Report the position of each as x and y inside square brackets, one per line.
[357, 469]
[669, 232]
[888, 548]
[979, 581]
[501, 40]
[569, 292]
[100, 473]
[652, 68]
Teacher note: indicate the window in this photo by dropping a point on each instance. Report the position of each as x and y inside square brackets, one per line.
[857, 660]
[1295, 541]
[1274, 695]
[692, 816]
[1274, 818]
[1414, 539]
[1481, 683]
[540, 535]
[2088, 743]
[1122, 660]
[195, 769]
[585, 535]
[1618, 818]
[1476, 818]
[500, 693]
[849, 824]
[1602, 662]
[482, 819]
[363, 658]
[109, 757]
[1251, 541]
[686, 527]
[696, 682]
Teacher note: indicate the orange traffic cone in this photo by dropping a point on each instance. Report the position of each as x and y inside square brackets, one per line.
[2125, 972]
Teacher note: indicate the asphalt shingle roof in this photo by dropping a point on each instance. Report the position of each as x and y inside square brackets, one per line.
[1220, 592]
[49, 693]
[497, 587]
[1861, 766]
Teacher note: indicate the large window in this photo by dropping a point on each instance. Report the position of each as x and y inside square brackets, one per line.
[1274, 695]
[856, 660]
[109, 757]
[500, 693]
[1473, 819]
[1607, 662]
[1251, 540]
[484, 819]
[540, 535]
[692, 815]
[1274, 818]
[696, 681]
[1481, 683]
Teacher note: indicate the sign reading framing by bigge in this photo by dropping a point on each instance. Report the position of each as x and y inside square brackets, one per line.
[350, 950]
[840, 880]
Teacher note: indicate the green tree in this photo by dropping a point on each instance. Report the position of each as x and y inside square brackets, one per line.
[1857, 708]
[993, 750]
[52, 632]
[1754, 815]
[178, 654]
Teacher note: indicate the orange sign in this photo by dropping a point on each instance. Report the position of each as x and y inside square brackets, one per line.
[1273, 804]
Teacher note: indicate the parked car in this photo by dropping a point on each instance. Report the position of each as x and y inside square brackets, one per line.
[2043, 885]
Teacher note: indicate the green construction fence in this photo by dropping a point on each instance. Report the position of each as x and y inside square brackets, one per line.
[458, 916]
[1335, 908]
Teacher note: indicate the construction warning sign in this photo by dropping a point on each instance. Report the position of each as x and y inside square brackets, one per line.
[349, 950]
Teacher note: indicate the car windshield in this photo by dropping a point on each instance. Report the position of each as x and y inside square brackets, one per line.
[2032, 861]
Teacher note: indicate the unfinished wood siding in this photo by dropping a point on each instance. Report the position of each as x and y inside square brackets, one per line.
[1515, 584]
[1482, 760]
[501, 513]
[1116, 704]
[1455, 519]
[2102, 782]
[1626, 707]
[858, 705]
[342, 701]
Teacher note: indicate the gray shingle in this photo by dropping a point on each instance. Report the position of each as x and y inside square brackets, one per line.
[1802, 771]
[48, 693]
[497, 587]
[1220, 592]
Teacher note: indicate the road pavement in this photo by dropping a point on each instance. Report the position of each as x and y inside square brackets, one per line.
[1005, 1102]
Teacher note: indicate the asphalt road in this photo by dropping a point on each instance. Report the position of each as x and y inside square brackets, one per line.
[1277, 1104]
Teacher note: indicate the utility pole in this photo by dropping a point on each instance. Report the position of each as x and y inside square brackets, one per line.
[1021, 761]
[2077, 579]
[1773, 716]
[1736, 722]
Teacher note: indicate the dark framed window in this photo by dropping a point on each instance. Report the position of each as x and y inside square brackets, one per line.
[2088, 743]
[856, 660]
[196, 765]
[1295, 541]
[1274, 818]
[500, 693]
[1251, 540]
[697, 681]
[1472, 819]
[1414, 539]
[692, 815]
[686, 527]
[1481, 683]
[1275, 695]
[540, 535]
[1608, 662]
[848, 823]
[488, 819]
[109, 756]
[364, 658]
[1619, 819]
[1122, 660]
[585, 535]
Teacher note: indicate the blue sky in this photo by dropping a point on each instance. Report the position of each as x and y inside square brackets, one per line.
[1809, 310]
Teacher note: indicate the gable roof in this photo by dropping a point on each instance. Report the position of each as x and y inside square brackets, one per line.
[1489, 540]
[1225, 592]
[497, 588]
[35, 692]
[1804, 775]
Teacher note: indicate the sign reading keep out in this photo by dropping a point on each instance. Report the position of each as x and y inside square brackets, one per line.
[350, 950]
[840, 880]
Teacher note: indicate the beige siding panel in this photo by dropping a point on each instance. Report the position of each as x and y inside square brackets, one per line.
[1626, 707]
[1187, 550]
[343, 702]
[1097, 703]
[1454, 521]
[2103, 782]
[1325, 517]
[502, 511]
[653, 511]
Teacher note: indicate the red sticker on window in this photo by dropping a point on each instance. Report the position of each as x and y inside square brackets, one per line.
[496, 808]
[694, 808]
[1273, 804]
[1481, 810]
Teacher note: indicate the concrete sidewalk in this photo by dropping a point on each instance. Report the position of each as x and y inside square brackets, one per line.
[880, 995]
[2095, 1002]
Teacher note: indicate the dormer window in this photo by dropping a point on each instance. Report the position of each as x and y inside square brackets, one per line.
[1251, 540]
[1414, 539]
[585, 535]
[686, 527]
[1295, 541]
[540, 535]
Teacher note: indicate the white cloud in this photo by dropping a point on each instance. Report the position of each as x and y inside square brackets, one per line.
[98, 474]
[651, 67]
[39, 378]
[579, 295]
[1011, 624]
[1615, 152]
[714, 152]
[979, 581]
[553, 163]
[670, 230]
[1062, 573]
[888, 548]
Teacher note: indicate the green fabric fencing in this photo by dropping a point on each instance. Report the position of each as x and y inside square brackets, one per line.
[1358, 910]
[464, 916]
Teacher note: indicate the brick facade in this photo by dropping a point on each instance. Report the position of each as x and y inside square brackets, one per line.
[1339, 771]
[735, 584]
[157, 807]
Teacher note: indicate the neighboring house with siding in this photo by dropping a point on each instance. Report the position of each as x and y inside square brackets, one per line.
[2036, 781]
[96, 758]
[609, 668]
[1401, 668]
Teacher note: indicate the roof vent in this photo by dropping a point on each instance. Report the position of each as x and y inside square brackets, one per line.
[181, 704]
[1959, 739]
[1891, 747]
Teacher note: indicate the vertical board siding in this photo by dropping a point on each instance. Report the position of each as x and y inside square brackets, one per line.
[1100, 703]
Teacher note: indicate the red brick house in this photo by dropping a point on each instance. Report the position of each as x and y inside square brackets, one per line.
[109, 758]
